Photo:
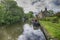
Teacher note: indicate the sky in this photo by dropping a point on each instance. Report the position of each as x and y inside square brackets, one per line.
[38, 5]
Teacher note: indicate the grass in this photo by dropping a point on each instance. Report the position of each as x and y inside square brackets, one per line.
[10, 32]
[53, 29]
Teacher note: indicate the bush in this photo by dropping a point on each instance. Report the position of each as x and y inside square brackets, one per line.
[51, 19]
[58, 14]
[55, 20]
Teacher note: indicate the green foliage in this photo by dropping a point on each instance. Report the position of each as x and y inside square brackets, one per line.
[53, 29]
[58, 14]
[55, 20]
[10, 12]
[51, 19]
[51, 12]
[29, 15]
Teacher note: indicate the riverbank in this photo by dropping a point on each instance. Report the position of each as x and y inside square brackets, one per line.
[53, 29]
[10, 32]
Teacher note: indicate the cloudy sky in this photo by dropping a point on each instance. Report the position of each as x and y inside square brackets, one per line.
[37, 5]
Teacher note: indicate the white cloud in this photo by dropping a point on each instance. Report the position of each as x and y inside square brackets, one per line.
[38, 5]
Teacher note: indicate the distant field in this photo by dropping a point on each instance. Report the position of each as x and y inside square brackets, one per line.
[53, 29]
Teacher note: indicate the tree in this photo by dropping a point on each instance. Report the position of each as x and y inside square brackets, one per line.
[10, 12]
[29, 15]
[51, 12]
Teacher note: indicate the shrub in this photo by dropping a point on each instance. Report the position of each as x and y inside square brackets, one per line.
[55, 20]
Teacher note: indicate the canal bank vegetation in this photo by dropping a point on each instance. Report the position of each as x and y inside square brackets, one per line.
[52, 25]
[11, 25]
[11, 19]
[10, 12]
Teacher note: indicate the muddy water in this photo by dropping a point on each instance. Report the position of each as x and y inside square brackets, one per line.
[10, 32]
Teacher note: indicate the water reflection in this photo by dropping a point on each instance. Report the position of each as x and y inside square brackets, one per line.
[30, 34]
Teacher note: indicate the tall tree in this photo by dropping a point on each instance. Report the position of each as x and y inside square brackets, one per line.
[10, 11]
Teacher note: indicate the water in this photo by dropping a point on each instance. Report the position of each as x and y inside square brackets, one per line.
[30, 34]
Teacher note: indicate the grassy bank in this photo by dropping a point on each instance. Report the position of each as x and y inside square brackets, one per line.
[10, 32]
[53, 29]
